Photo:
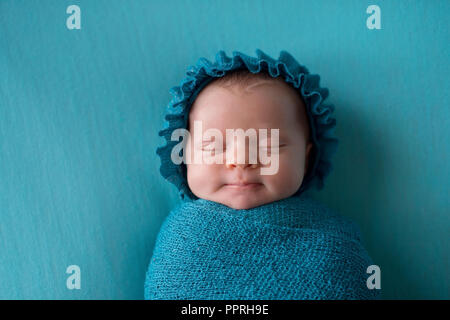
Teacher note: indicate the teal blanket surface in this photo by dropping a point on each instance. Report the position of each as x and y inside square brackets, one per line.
[294, 248]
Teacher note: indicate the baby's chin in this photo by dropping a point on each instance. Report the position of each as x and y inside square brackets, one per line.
[244, 206]
[243, 202]
[239, 198]
[248, 199]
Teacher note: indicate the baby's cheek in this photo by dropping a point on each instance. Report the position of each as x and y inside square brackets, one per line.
[194, 176]
[200, 178]
[288, 178]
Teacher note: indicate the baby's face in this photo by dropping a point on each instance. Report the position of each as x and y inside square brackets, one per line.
[267, 104]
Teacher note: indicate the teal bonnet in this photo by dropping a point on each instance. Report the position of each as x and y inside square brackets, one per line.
[321, 123]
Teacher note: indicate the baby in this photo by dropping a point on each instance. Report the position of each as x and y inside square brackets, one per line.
[244, 100]
[238, 233]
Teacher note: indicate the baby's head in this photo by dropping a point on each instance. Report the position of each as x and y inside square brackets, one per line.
[243, 100]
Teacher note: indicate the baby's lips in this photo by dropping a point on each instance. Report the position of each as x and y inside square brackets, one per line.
[242, 183]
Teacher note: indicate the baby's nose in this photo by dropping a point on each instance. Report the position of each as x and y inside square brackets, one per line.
[241, 155]
[242, 165]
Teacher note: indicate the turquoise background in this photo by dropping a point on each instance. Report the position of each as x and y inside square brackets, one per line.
[80, 111]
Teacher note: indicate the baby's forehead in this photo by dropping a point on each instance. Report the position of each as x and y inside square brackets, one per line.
[256, 96]
[250, 83]
[262, 106]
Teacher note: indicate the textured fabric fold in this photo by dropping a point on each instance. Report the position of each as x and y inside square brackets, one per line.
[204, 71]
[292, 249]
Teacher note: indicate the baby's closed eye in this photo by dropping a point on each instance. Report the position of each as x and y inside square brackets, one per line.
[211, 145]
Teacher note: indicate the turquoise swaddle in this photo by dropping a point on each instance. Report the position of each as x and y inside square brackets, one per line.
[294, 248]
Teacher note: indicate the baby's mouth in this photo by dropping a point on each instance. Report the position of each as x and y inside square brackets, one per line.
[243, 185]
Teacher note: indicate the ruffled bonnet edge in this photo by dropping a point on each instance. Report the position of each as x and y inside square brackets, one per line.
[321, 123]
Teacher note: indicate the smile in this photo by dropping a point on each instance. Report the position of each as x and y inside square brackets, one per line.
[243, 185]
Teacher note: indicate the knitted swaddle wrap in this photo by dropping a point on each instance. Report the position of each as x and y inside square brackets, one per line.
[294, 248]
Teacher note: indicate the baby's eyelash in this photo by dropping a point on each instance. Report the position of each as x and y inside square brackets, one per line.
[205, 144]
[281, 145]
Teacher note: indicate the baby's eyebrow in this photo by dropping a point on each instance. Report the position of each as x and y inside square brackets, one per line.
[281, 135]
